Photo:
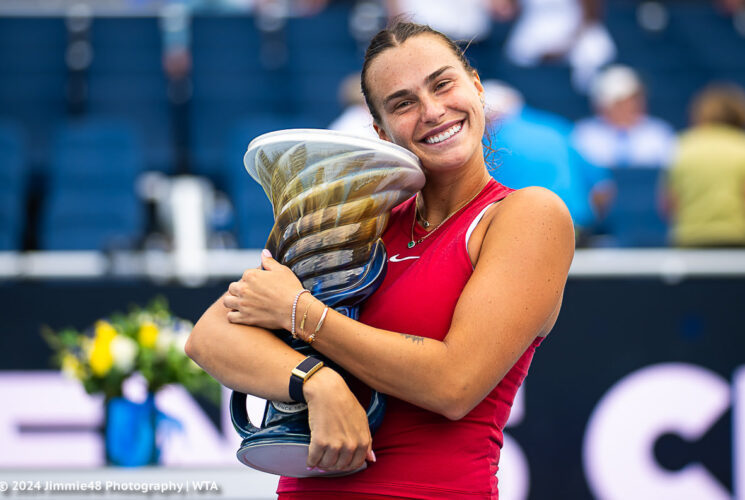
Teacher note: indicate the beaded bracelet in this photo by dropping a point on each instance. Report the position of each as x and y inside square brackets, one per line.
[294, 310]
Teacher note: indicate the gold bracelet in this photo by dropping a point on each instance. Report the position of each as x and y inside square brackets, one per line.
[318, 326]
[305, 317]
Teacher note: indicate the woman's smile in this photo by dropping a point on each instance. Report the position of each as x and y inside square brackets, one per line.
[443, 134]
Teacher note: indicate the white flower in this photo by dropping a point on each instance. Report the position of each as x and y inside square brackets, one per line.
[71, 367]
[164, 340]
[173, 336]
[124, 351]
[179, 341]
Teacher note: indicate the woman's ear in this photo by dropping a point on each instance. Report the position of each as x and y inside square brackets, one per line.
[477, 82]
[381, 132]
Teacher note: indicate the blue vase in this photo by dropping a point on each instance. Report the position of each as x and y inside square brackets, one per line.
[130, 432]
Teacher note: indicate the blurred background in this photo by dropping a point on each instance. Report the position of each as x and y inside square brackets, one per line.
[123, 125]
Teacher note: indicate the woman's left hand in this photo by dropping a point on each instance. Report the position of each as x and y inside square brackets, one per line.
[263, 297]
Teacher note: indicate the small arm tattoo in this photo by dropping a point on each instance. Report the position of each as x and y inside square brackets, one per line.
[414, 338]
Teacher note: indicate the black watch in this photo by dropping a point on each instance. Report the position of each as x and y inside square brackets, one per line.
[300, 374]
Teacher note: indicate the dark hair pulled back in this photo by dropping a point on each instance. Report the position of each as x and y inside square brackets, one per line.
[393, 36]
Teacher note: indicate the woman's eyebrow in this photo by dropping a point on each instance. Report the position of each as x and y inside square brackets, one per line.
[436, 74]
[404, 92]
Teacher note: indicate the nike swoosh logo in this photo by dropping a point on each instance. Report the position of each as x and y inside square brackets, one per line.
[396, 258]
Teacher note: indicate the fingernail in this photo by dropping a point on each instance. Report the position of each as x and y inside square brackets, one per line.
[309, 468]
[266, 253]
[373, 456]
[321, 470]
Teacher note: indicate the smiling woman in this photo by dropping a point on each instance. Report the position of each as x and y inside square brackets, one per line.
[474, 283]
[425, 96]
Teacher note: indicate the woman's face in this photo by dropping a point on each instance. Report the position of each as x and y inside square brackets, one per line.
[428, 103]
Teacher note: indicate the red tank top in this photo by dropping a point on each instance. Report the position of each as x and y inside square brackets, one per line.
[421, 454]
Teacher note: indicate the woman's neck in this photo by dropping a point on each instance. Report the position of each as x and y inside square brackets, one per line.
[444, 194]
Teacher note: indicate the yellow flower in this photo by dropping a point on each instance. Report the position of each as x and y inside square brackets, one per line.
[104, 330]
[148, 334]
[100, 358]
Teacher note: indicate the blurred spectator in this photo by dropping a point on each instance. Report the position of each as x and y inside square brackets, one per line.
[534, 149]
[292, 8]
[730, 6]
[356, 118]
[465, 20]
[707, 179]
[621, 134]
[285, 8]
[504, 10]
[468, 22]
[568, 30]
[177, 65]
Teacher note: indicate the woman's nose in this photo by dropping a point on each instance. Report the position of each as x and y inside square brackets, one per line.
[432, 109]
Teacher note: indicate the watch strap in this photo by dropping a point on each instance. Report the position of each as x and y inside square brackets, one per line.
[300, 374]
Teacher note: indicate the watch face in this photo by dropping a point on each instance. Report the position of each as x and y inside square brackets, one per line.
[307, 367]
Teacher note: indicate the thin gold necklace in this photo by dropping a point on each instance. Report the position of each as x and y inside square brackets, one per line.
[425, 223]
[413, 242]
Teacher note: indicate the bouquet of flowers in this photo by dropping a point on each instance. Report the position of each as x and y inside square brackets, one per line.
[147, 340]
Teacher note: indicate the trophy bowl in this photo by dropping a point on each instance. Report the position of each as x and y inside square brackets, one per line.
[331, 194]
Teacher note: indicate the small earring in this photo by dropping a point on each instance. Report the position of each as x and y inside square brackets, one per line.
[483, 101]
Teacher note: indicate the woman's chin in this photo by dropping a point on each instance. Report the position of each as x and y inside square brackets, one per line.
[448, 162]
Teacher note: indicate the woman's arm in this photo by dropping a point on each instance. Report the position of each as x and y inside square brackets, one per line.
[255, 361]
[243, 358]
[527, 251]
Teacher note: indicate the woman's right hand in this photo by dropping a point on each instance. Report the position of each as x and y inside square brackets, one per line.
[340, 437]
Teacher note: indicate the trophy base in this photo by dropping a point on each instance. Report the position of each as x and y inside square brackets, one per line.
[283, 458]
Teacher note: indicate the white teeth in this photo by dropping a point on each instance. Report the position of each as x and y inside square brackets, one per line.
[444, 135]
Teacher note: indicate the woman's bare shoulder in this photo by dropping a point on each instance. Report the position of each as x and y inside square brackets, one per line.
[534, 203]
[532, 215]
[523, 211]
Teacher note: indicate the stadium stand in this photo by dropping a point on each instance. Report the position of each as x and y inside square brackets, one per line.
[691, 45]
[634, 218]
[230, 83]
[546, 87]
[33, 78]
[13, 184]
[248, 77]
[91, 203]
[321, 52]
[126, 81]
